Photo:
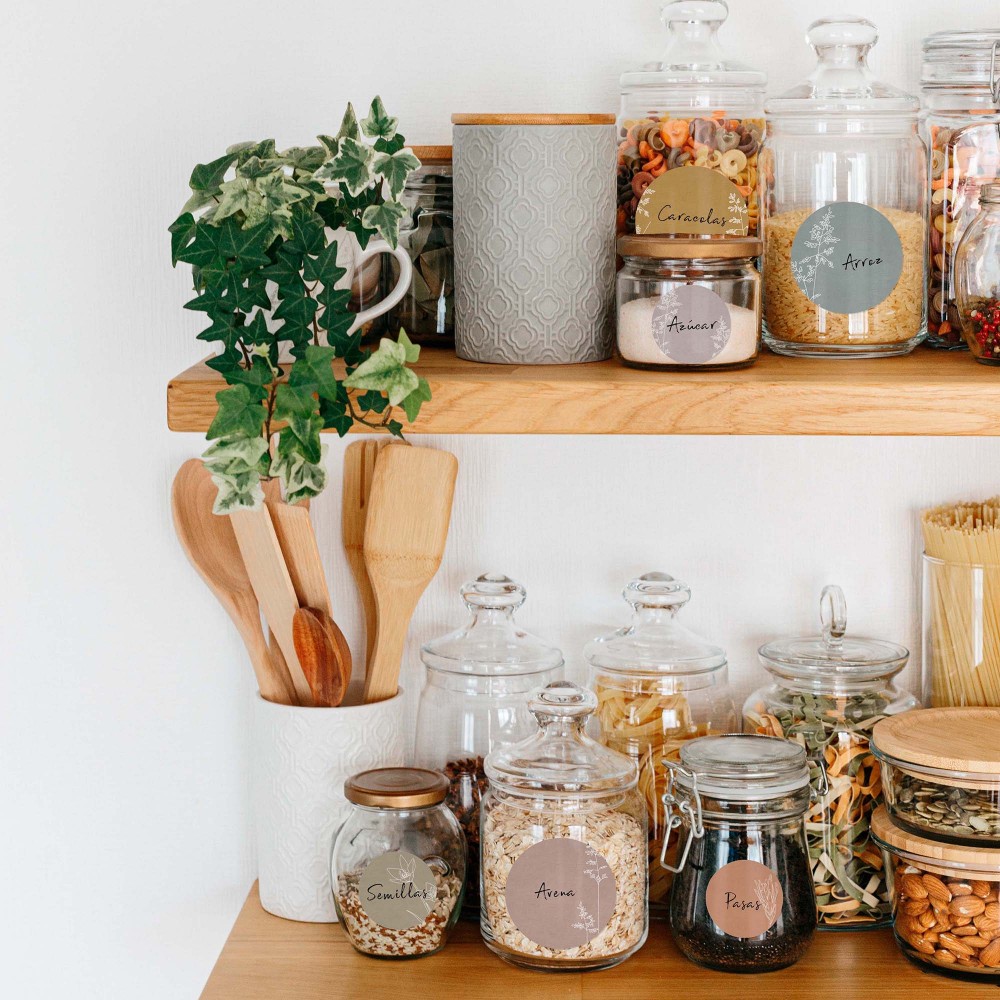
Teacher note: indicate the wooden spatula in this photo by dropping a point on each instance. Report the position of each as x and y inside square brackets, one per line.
[266, 568]
[409, 509]
[210, 544]
[359, 467]
[324, 655]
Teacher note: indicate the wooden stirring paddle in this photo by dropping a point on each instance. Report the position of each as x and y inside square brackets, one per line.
[324, 655]
[406, 528]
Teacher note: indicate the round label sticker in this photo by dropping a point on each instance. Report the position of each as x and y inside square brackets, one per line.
[561, 893]
[692, 201]
[744, 898]
[846, 257]
[691, 325]
[397, 890]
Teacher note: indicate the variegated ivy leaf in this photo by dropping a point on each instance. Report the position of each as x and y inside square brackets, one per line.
[352, 166]
[378, 124]
[304, 158]
[266, 198]
[349, 126]
[385, 218]
[330, 144]
[386, 372]
[242, 492]
[300, 478]
[236, 464]
[396, 168]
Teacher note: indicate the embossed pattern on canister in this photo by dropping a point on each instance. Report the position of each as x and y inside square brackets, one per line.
[534, 238]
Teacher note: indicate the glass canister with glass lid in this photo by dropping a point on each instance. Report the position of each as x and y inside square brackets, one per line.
[828, 693]
[475, 698]
[658, 685]
[564, 844]
[695, 109]
[845, 194]
[961, 90]
[977, 277]
[742, 898]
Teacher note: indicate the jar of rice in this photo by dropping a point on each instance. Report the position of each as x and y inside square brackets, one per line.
[563, 835]
[845, 190]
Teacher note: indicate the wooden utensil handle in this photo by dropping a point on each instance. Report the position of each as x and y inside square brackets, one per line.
[382, 677]
[273, 679]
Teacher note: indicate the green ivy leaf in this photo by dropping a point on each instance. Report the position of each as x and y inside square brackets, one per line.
[379, 123]
[307, 231]
[372, 402]
[348, 125]
[396, 168]
[335, 415]
[286, 272]
[385, 219]
[208, 176]
[412, 403]
[352, 166]
[395, 428]
[411, 350]
[385, 371]
[393, 145]
[323, 267]
[247, 245]
[239, 414]
[182, 231]
[297, 309]
[313, 373]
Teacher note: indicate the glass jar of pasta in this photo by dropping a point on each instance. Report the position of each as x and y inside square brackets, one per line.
[658, 685]
[845, 176]
[961, 90]
[693, 108]
[828, 693]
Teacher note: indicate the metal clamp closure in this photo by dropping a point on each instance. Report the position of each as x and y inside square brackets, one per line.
[676, 807]
[994, 75]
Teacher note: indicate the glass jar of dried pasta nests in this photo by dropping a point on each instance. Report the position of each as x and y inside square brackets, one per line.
[658, 685]
[690, 130]
[845, 182]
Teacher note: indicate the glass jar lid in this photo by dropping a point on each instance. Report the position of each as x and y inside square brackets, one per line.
[833, 655]
[842, 84]
[678, 248]
[491, 644]
[742, 767]
[560, 757]
[693, 57]
[969, 60]
[655, 641]
[397, 788]
[931, 853]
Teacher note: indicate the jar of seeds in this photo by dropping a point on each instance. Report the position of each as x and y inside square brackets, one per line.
[563, 832]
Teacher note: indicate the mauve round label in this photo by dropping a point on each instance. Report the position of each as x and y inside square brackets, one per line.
[691, 325]
[847, 257]
[397, 890]
[561, 893]
[744, 898]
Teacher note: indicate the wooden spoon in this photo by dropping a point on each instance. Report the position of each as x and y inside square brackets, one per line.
[405, 533]
[210, 545]
[324, 655]
[359, 467]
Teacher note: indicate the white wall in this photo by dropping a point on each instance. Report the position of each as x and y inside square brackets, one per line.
[125, 851]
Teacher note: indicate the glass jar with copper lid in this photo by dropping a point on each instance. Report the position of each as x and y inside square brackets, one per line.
[688, 303]
[398, 865]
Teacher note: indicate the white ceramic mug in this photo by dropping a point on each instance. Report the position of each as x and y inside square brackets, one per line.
[301, 759]
[352, 258]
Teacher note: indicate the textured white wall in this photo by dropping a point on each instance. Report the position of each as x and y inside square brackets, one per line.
[123, 715]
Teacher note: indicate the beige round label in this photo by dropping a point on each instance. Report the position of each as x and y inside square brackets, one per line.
[561, 893]
[397, 890]
[692, 201]
[744, 898]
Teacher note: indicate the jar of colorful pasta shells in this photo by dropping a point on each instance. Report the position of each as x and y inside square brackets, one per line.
[698, 110]
[658, 685]
[961, 90]
[828, 693]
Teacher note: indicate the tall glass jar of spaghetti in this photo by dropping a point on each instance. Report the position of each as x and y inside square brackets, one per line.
[658, 685]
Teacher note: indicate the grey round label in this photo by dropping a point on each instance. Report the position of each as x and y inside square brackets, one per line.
[744, 898]
[561, 893]
[847, 257]
[397, 890]
[691, 325]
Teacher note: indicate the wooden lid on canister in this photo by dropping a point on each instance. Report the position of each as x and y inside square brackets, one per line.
[483, 119]
[947, 739]
[432, 154]
[921, 849]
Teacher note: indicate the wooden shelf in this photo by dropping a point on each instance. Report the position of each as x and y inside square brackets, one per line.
[267, 957]
[926, 393]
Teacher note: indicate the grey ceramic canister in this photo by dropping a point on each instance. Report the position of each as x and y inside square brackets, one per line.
[534, 238]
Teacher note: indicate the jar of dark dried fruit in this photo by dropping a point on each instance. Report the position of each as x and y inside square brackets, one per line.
[742, 898]
[475, 699]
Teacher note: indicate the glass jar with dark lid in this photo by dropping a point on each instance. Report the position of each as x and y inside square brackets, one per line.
[742, 899]
[398, 863]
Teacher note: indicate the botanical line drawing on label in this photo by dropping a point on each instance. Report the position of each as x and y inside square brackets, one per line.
[846, 257]
[744, 898]
[397, 890]
[694, 201]
[561, 893]
[691, 324]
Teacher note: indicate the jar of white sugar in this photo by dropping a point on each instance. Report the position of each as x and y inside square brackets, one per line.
[688, 303]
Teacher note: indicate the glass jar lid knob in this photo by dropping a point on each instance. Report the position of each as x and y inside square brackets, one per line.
[693, 25]
[562, 700]
[493, 590]
[833, 616]
[842, 44]
[657, 590]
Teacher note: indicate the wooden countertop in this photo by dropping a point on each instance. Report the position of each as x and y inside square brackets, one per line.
[267, 958]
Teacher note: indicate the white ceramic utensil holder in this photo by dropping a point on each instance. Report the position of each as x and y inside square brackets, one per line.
[301, 758]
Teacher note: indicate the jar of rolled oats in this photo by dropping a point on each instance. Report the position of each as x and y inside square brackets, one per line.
[563, 835]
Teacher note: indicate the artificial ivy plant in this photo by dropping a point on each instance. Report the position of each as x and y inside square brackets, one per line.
[256, 232]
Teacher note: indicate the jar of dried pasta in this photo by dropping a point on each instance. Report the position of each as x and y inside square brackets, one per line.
[563, 844]
[658, 685]
[845, 182]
